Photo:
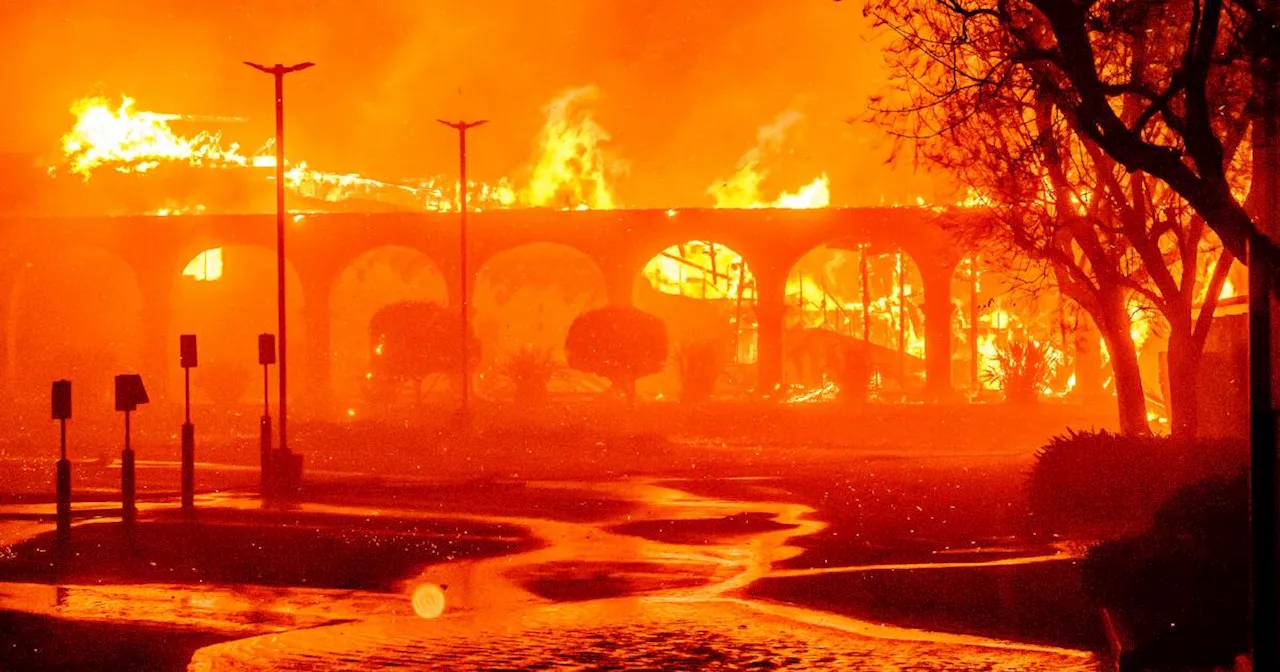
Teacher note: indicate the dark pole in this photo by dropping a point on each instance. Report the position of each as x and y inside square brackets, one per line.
[188, 448]
[264, 435]
[464, 318]
[1263, 472]
[129, 511]
[64, 487]
[278, 72]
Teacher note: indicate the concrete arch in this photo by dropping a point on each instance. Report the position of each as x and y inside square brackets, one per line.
[226, 314]
[706, 294]
[76, 312]
[528, 295]
[862, 295]
[376, 278]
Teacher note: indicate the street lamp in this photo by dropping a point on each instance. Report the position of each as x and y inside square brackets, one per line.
[278, 71]
[461, 127]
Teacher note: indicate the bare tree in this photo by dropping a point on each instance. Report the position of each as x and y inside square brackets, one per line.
[987, 95]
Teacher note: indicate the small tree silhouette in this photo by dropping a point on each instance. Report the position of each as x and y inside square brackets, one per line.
[414, 339]
[1021, 371]
[621, 344]
[700, 365]
[530, 369]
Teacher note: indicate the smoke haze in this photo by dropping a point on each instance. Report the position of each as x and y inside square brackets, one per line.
[684, 84]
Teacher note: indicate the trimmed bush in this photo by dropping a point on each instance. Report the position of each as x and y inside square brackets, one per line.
[621, 344]
[1099, 483]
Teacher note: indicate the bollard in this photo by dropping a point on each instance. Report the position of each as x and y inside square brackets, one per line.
[61, 412]
[189, 359]
[188, 466]
[129, 394]
[128, 509]
[265, 441]
[64, 499]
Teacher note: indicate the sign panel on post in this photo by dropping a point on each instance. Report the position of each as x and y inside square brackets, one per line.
[61, 400]
[266, 349]
[187, 351]
[129, 392]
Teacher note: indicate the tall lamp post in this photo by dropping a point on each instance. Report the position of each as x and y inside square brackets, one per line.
[278, 71]
[464, 319]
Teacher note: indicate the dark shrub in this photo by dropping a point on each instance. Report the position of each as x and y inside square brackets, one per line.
[411, 340]
[1099, 483]
[1182, 587]
[530, 369]
[700, 365]
[1021, 371]
[621, 344]
[853, 372]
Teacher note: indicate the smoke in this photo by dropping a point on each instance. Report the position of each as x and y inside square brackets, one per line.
[743, 188]
[684, 82]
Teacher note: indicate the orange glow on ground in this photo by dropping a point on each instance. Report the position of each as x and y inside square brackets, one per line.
[428, 600]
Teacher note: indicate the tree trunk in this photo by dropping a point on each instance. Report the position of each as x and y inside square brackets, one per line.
[1184, 369]
[628, 386]
[1130, 398]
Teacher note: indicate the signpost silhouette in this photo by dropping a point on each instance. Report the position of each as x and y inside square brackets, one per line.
[130, 393]
[62, 412]
[189, 360]
[266, 357]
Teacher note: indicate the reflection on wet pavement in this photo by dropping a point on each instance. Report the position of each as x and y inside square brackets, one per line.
[589, 596]
[609, 634]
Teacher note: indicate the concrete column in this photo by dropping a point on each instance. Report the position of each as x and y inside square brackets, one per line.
[770, 312]
[937, 333]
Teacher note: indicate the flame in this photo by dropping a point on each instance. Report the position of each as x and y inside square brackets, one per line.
[572, 170]
[812, 195]
[825, 392]
[975, 199]
[129, 140]
[136, 141]
[700, 269]
[742, 189]
[206, 267]
[1228, 290]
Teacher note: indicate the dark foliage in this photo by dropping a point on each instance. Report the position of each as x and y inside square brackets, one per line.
[530, 369]
[1182, 587]
[621, 344]
[1102, 483]
[700, 365]
[414, 339]
[853, 371]
[1021, 371]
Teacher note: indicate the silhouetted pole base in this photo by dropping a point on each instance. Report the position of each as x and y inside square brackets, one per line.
[265, 447]
[64, 499]
[286, 473]
[188, 466]
[128, 508]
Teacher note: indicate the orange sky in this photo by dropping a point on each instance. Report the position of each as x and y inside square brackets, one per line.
[685, 83]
